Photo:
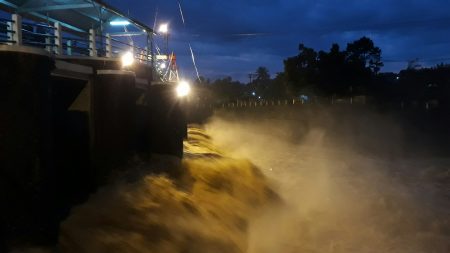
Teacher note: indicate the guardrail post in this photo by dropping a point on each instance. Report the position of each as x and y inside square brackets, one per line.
[48, 45]
[108, 46]
[58, 39]
[69, 47]
[92, 43]
[132, 47]
[147, 58]
[9, 33]
[16, 27]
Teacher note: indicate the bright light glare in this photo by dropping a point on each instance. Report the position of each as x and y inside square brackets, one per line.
[119, 22]
[164, 28]
[183, 89]
[127, 59]
[162, 66]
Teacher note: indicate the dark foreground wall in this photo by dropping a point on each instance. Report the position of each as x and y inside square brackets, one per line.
[61, 137]
[26, 165]
[113, 113]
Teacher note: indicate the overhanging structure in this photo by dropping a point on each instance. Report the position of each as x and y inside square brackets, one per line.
[74, 28]
[75, 15]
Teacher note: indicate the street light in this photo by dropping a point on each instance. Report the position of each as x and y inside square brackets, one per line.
[119, 22]
[127, 59]
[164, 28]
[183, 89]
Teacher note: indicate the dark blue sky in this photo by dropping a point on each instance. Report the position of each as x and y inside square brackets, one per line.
[234, 37]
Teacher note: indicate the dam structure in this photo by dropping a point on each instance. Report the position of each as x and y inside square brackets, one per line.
[79, 97]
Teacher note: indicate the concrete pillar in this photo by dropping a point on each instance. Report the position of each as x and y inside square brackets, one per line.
[113, 108]
[58, 39]
[108, 46]
[92, 43]
[25, 144]
[48, 46]
[16, 27]
[69, 47]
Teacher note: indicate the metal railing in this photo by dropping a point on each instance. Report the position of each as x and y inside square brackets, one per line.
[6, 31]
[38, 35]
[51, 38]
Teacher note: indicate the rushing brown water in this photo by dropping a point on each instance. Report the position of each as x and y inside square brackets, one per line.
[208, 209]
[313, 188]
[339, 194]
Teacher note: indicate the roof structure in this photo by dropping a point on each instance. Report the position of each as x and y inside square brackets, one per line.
[74, 15]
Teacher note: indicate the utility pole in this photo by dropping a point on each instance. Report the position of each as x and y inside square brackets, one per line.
[251, 76]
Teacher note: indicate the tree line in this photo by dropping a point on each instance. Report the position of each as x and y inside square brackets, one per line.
[337, 73]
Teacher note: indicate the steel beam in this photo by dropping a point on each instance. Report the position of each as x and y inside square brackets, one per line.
[55, 7]
[8, 4]
[127, 34]
[55, 20]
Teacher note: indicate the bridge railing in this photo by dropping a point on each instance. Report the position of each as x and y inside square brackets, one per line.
[6, 31]
[39, 35]
[52, 38]
[140, 53]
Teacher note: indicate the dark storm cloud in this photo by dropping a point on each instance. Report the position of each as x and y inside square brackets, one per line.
[234, 37]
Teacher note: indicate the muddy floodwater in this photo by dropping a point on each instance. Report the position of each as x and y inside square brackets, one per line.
[349, 183]
[280, 181]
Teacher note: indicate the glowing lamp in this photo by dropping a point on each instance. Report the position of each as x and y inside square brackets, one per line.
[183, 89]
[119, 22]
[127, 59]
[164, 28]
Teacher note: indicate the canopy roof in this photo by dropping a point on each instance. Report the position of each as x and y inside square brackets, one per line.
[74, 15]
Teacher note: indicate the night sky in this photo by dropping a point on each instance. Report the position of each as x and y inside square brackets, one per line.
[234, 37]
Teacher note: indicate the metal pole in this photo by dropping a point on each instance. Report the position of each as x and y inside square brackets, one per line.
[152, 54]
[167, 44]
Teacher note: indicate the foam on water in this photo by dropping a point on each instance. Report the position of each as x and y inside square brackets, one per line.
[337, 197]
[208, 209]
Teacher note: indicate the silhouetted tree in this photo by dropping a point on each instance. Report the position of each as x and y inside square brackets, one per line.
[417, 86]
[331, 67]
[226, 89]
[364, 52]
[278, 87]
[336, 72]
[262, 74]
[261, 82]
[301, 70]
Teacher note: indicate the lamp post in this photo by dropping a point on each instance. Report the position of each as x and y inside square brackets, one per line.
[164, 29]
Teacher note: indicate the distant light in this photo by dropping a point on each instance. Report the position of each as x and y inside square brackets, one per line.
[119, 22]
[259, 97]
[397, 77]
[253, 93]
[163, 65]
[183, 89]
[161, 57]
[127, 59]
[144, 30]
[164, 28]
